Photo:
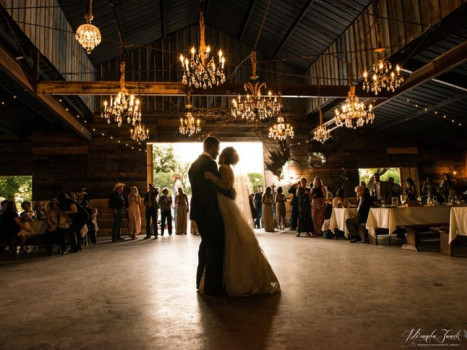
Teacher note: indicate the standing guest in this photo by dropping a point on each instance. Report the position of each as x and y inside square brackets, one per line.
[26, 217]
[339, 200]
[150, 201]
[11, 224]
[82, 195]
[117, 204]
[39, 211]
[78, 215]
[363, 184]
[380, 190]
[447, 187]
[165, 203]
[305, 221]
[274, 213]
[259, 206]
[194, 228]
[181, 201]
[267, 210]
[353, 223]
[95, 213]
[410, 190]
[251, 199]
[396, 189]
[318, 205]
[280, 200]
[134, 214]
[294, 204]
[57, 223]
[429, 188]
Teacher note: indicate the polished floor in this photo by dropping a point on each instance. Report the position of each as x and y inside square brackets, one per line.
[141, 295]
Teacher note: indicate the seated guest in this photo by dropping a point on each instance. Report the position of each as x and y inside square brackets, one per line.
[353, 223]
[10, 225]
[339, 200]
[78, 216]
[396, 189]
[57, 230]
[410, 190]
[39, 211]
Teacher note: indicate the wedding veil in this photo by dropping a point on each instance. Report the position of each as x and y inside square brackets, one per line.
[243, 188]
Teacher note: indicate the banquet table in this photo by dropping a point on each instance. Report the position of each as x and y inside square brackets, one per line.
[457, 223]
[409, 218]
[338, 217]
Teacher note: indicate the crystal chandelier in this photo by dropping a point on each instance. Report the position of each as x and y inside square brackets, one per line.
[200, 70]
[280, 130]
[383, 78]
[188, 125]
[139, 133]
[321, 133]
[87, 34]
[353, 113]
[122, 106]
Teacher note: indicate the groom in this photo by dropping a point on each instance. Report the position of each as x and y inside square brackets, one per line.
[205, 212]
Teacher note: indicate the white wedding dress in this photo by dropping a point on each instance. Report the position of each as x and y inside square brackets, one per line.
[246, 269]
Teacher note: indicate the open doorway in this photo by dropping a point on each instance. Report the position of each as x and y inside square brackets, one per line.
[16, 188]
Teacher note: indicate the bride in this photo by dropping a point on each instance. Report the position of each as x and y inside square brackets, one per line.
[246, 269]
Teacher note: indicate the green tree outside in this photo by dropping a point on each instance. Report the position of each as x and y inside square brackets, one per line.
[385, 173]
[256, 180]
[17, 188]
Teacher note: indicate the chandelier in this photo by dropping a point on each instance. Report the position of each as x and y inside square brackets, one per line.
[200, 70]
[87, 34]
[280, 130]
[188, 125]
[321, 133]
[139, 133]
[353, 113]
[122, 106]
[384, 78]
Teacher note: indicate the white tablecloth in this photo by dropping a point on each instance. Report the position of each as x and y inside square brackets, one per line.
[457, 223]
[338, 217]
[390, 218]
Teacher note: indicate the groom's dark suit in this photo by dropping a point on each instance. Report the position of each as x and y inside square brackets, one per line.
[205, 212]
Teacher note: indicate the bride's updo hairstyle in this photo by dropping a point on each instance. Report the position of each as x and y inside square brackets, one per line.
[229, 156]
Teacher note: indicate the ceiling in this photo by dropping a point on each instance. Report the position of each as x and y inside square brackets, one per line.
[296, 30]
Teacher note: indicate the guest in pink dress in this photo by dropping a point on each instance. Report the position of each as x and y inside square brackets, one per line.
[134, 214]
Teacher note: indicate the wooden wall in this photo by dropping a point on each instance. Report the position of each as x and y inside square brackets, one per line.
[48, 29]
[400, 22]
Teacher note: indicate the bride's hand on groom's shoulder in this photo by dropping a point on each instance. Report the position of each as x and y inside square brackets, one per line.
[208, 175]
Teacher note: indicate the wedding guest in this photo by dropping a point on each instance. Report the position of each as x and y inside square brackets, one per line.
[26, 217]
[305, 221]
[39, 211]
[280, 200]
[194, 228]
[134, 214]
[410, 190]
[259, 206]
[117, 204]
[339, 200]
[318, 205]
[396, 189]
[78, 215]
[82, 195]
[150, 202]
[447, 187]
[11, 224]
[353, 223]
[380, 190]
[95, 213]
[274, 213]
[165, 203]
[267, 210]
[363, 184]
[90, 223]
[429, 188]
[294, 205]
[251, 199]
[182, 212]
[57, 223]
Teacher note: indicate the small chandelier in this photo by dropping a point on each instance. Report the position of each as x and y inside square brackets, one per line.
[321, 133]
[87, 34]
[353, 113]
[139, 133]
[384, 78]
[188, 125]
[122, 106]
[280, 130]
[201, 70]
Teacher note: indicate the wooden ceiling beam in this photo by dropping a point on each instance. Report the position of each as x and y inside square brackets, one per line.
[16, 72]
[246, 20]
[178, 89]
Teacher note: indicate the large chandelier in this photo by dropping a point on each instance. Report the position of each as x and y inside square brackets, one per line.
[353, 113]
[280, 130]
[122, 106]
[139, 133]
[200, 70]
[87, 34]
[321, 133]
[383, 78]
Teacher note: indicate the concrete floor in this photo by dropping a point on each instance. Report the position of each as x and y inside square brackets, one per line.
[141, 295]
